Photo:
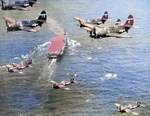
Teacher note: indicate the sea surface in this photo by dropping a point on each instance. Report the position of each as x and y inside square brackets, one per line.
[108, 70]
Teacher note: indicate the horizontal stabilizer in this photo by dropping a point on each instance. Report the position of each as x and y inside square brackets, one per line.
[44, 21]
[135, 26]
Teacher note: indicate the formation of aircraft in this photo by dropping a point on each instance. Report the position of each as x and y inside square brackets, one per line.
[98, 31]
[28, 25]
[17, 5]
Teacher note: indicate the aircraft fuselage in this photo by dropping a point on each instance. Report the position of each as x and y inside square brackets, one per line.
[15, 4]
[102, 31]
[20, 24]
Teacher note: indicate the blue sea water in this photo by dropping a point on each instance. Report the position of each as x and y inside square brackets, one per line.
[109, 70]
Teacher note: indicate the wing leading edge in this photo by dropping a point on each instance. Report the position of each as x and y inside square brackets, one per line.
[117, 35]
[20, 8]
[29, 29]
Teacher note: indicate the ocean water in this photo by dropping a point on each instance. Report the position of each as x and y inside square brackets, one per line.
[108, 70]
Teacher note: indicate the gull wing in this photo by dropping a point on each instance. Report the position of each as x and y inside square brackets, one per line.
[9, 21]
[16, 70]
[19, 8]
[130, 112]
[117, 35]
[29, 29]
[86, 28]
[63, 87]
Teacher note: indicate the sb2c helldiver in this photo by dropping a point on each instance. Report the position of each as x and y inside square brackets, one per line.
[58, 44]
[97, 32]
[17, 5]
[27, 25]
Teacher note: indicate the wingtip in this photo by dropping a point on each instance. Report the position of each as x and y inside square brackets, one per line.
[76, 18]
[4, 18]
[67, 89]
[135, 113]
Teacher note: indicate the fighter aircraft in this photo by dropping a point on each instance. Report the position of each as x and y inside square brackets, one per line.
[128, 108]
[28, 25]
[17, 5]
[107, 31]
[94, 21]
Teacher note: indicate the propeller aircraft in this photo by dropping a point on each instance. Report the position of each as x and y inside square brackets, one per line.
[128, 108]
[97, 31]
[28, 25]
[17, 5]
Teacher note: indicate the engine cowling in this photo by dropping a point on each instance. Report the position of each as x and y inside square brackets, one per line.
[99, 32]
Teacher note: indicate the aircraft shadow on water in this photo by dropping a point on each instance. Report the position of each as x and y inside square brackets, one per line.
[17, 5]
[98, 31]
[27, 25]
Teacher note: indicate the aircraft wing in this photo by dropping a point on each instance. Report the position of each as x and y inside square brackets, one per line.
[80, 20]
[16, 70]
[117, 35]
[29, 29]
[86, 28]
[19, 8]
[63, 87]
[130, 112]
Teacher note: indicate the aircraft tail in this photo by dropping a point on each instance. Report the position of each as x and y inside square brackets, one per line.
[118, 22]
[31, 2]
[104, 17]
[42, 18]
[3, 4]
[129, 23]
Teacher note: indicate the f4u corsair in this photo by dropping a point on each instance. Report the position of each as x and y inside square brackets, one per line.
[17, 5]
[107, 31]
[28, 25]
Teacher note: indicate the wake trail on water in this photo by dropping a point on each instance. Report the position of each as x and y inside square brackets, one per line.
[54, 26]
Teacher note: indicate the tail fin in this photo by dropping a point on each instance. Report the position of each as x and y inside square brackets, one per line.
[104, 17]
[129, 23]
[118, 22]
[42, 18]
[31, 2]
[3, 4]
